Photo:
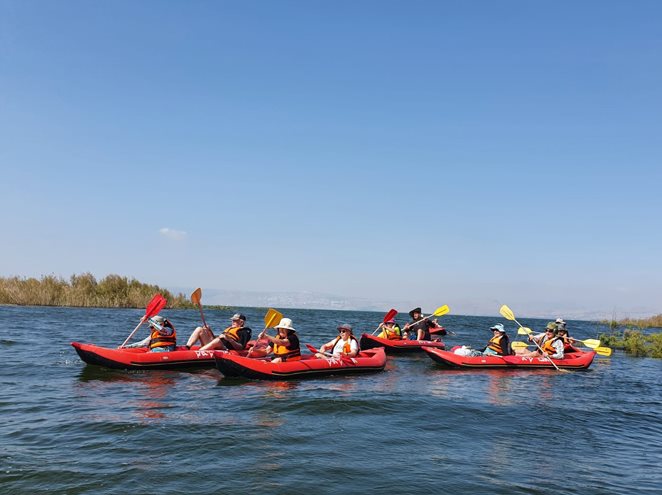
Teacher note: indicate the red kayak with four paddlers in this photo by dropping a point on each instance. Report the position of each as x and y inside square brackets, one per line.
[574, 359]
[369, 341]
[309, 366]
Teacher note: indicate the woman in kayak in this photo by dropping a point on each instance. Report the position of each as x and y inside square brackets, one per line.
[235, 337]
[162, 337]
[285, 345]
[345, 344]
[390, 330]
[548, 341]
[499, 344]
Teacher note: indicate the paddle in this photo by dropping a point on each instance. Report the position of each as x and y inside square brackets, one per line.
[195, 299]
[270, 319]
[440, 311]
[591, 343]
[603, 351]
[388, 316]
[343, 358]
[156, 304]
[509, 315]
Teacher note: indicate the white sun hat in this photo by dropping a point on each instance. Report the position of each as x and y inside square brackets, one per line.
[285, 323]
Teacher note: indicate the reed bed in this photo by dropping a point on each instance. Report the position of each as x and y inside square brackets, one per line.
[84, 290]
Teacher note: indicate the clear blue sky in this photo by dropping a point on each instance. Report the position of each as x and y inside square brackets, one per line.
[411, 152]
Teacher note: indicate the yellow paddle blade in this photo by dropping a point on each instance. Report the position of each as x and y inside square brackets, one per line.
[593, 343]
[272, 317]
[195, 297]
[603, 351]
[441, 310]
[507, 313]
[518, 345]
[524, 331]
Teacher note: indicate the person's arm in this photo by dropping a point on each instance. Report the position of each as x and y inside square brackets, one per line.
[142, 343]
[327, 346]
[353, 348]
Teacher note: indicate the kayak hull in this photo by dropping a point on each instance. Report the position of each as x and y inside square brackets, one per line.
[369, 341]
[308, 366]
[142, 359]
[579, 360]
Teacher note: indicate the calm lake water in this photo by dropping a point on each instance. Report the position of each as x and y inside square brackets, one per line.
[70, 428]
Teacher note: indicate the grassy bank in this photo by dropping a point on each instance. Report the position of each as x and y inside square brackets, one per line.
[652, 322]
[84, 290]
[635, 343]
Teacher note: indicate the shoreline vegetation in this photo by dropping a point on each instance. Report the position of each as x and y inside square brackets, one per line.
[632, 339]
[84, 291]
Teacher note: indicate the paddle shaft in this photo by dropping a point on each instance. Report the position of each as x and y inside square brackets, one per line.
[142, 320]
[202, 316]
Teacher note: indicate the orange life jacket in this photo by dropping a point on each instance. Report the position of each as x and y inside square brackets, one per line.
[393, 333]
[548, 347]
[290, 352]
[495, 344]
[233, 334]
[157, 339]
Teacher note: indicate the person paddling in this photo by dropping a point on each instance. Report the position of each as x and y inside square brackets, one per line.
[235, 337]
[285, 345]
[390, 330]
[162, 337]
[419, 326]
[548, 341]
[345, 344]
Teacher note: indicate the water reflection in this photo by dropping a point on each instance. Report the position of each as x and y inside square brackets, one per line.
[146, 394]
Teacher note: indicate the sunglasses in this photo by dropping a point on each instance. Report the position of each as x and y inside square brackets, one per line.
[343, 331]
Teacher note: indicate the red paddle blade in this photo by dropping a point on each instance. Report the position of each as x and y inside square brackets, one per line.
[312, 349]
[157, 303]
[391, 314]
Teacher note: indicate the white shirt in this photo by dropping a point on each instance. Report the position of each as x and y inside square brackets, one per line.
[338, 348]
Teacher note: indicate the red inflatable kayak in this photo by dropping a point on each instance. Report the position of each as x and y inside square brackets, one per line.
[140, 359]
[308, 366]
[393, 346]
[577, 360]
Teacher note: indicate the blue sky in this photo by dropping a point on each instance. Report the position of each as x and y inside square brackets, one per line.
[391, 153]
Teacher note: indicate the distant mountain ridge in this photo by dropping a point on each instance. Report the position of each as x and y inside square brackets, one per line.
[318, 300]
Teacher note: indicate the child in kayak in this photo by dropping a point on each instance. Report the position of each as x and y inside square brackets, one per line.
[162, 337]
[390, 330]
[285, 345]
[345, 344]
